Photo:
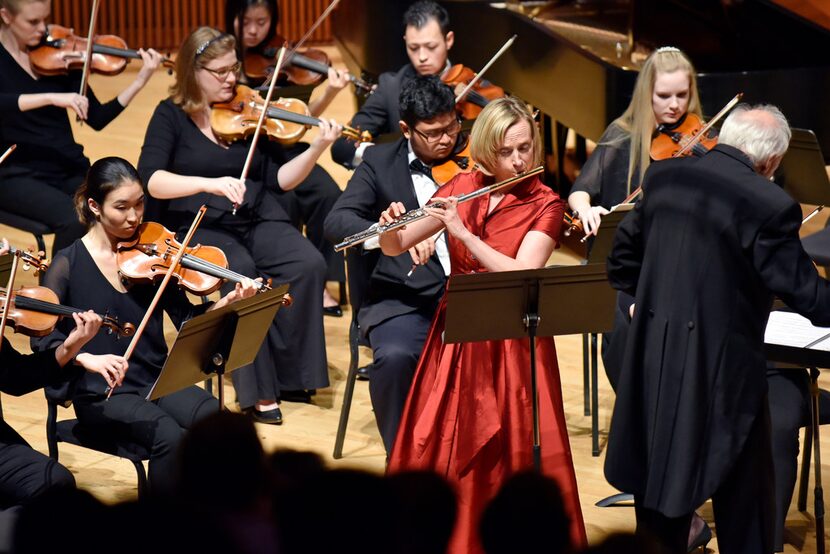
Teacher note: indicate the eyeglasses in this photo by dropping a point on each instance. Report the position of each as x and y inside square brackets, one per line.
[223, 72]
[450, 130]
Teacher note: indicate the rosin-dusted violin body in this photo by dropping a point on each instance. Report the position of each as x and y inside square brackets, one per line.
[147, 256]
[286, 122]
[62, 51]
[668, 143]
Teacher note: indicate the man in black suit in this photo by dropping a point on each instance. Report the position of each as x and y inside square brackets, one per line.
[404, 290]
[428, 42]
[703, 253]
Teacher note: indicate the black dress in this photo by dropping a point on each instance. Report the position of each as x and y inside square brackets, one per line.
[42, 174]
[157, 425]
[258, 241]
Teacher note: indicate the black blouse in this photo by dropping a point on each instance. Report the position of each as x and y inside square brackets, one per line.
[174, 143]
[78, 282]
[605, 174]
[44, 136]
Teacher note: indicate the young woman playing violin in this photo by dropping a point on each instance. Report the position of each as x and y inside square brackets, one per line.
[468, 415]
[253, 23]
[41, 176]
[111, 205]
[183, 161]
[665, 91]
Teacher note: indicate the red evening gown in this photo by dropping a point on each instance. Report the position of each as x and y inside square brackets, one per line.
[468, 415]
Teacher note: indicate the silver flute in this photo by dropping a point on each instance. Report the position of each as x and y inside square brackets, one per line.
[420, 213]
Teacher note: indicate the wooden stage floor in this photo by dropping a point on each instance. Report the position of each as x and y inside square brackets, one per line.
[313, 426]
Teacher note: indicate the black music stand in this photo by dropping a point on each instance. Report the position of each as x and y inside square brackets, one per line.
[813, 355]
[529, 304]
[600, 248]
[802, 172]
[218, 342]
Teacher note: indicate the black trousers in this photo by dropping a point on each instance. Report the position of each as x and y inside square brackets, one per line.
[396, 346]
[308, 205]
[743, 504]
[789, 407]
[159, 426]
[46, 198]
[293, 356]
[26, 473]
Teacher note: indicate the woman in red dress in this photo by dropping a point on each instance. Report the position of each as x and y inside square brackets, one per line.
[468, 415]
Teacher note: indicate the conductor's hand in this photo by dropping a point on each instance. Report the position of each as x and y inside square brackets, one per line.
[111, 367]
[230, 187]
[591, 218]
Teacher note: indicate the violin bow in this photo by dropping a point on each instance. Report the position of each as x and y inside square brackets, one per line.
[705, 129]
[8, 302]
[305, 37]
[93, 19]
[7, 153]
[484, 69]
[812, 214]
[259, 123]
[688, 146]
[160, 290]
[270, 93]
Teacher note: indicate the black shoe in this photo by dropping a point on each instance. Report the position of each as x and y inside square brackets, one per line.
[333, 311]
[303, 396]
[271, 417]
[363, 372]
[701, 540]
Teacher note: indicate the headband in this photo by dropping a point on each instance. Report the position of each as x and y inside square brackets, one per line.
[205, 45]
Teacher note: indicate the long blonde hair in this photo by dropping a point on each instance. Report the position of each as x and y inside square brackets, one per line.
[638, 119]
[201, 46]
[492, 124]
[13, 6]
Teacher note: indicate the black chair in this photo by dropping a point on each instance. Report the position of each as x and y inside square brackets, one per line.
[359, 267]
[37, 228]
[71, 431]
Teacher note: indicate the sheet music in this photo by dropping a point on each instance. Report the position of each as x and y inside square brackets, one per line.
[791, 329]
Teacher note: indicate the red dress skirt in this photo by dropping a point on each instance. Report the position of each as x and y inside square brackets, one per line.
[468, 415]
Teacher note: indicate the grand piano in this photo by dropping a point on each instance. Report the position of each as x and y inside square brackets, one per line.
[577, 60]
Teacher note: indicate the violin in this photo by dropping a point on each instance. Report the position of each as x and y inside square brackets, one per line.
[307, 68]
[458, 162]
[673, 142]
[288, 119]
[146, 257]
[34, 312]
[61, 51]
[479, 96]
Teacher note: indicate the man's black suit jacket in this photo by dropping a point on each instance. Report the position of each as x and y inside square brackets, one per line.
[704, 252]
[384, 177]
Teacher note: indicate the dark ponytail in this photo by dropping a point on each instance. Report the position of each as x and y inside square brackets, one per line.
[105, 175]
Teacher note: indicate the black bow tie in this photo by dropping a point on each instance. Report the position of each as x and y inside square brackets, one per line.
[420, 167]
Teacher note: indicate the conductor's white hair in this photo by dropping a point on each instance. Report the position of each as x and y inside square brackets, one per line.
[761, 132]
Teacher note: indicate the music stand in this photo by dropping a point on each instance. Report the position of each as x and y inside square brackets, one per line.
[802, 172]
[780, 346]
[5, 268]
[529, 304]
[218, 342]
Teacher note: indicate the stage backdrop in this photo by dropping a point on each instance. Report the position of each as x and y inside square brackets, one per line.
[162, 24]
